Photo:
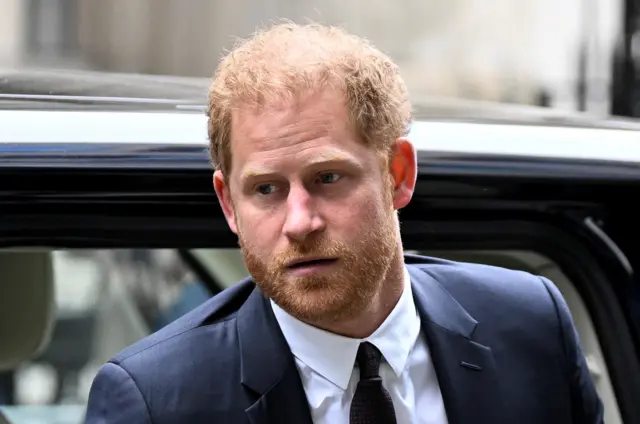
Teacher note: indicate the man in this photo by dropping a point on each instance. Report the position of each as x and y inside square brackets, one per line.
[308, 132]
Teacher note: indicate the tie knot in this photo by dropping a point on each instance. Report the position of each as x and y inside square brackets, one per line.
[368, 359]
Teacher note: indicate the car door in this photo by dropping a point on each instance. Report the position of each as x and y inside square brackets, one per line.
[138, 238]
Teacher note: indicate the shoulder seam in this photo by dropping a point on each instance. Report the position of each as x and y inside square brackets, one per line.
[118, 362]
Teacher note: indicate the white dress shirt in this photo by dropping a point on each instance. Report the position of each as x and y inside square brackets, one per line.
[326, 363]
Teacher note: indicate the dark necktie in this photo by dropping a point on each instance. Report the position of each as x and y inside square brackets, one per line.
[371, 403]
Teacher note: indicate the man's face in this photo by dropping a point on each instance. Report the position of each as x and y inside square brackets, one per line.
[312, 207]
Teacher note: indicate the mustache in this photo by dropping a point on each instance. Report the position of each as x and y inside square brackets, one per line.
[317, 247]
[309, 246]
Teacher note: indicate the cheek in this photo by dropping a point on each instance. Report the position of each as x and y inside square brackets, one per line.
[356, 215]
[259, 230]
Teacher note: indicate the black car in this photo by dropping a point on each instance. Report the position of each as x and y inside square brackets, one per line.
[107, 177]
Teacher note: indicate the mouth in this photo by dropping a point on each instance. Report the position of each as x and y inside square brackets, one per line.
[310, 262]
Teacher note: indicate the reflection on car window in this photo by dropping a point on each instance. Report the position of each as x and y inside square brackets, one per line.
[106, 300]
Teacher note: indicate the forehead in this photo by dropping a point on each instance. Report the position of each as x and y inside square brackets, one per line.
[315, 127]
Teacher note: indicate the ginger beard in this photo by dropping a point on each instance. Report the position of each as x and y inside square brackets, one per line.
[363, 264]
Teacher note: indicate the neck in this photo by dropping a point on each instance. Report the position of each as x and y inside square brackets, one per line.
[369, 319]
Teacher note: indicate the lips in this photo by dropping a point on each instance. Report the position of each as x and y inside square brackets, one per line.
[300, 263]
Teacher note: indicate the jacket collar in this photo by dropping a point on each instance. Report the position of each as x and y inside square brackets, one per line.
[267, 367]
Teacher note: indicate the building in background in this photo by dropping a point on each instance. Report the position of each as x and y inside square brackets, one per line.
[556, 53]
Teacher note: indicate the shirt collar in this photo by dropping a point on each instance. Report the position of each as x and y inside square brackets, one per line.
[333, 356]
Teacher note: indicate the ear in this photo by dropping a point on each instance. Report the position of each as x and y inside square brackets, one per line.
[404, 171]
[224, 197]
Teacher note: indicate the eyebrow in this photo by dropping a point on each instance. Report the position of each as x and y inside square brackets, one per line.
[326, 158]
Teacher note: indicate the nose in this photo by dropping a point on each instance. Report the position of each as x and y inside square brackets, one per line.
[302, 217]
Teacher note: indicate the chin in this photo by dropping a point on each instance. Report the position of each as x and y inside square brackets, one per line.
[320, 305]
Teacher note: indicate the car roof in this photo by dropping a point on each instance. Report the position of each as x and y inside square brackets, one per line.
[29, 88]
[84, 86]
[42, 106]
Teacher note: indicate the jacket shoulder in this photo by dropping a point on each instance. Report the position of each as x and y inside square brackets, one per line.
[192, 359]
[487, 291]
[212, 317]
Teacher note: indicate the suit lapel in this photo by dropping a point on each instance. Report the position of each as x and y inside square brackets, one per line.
[465, 369]
[285, 402]
[268, 369]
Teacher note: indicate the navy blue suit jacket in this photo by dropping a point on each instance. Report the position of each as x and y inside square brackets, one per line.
[503, 344]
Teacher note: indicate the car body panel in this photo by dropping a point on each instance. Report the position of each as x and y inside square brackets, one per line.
[118, 127]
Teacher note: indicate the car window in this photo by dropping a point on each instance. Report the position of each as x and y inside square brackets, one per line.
[105, 301]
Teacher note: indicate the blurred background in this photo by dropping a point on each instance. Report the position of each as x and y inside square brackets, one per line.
[568, 54]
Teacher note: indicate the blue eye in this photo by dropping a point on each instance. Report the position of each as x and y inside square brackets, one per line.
[329, 178]
[266, 189]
